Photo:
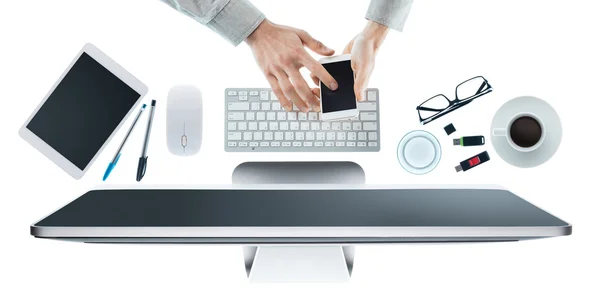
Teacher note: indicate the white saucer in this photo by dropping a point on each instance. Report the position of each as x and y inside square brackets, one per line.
[419, 152]
[553, 129]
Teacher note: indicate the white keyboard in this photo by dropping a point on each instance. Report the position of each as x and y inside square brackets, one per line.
[256, 122]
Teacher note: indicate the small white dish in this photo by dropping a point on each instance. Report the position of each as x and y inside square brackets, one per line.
[419, 152]
[552, 127]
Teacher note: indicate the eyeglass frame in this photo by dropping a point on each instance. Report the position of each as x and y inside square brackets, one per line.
[453, 104]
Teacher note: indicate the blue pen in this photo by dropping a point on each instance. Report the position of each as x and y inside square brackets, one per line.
[113, 163]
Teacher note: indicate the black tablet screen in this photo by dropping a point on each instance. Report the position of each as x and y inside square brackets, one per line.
[83, 111]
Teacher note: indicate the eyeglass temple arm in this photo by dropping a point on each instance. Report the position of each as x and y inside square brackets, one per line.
[483, 85]
[428, 109]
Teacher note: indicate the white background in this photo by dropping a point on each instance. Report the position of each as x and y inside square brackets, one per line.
[547, 49]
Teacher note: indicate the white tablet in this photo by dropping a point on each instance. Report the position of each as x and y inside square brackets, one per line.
[83, 110]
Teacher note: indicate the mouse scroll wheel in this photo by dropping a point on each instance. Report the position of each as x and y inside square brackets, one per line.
[184, 140]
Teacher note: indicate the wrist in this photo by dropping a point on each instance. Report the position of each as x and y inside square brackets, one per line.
[375, 33]
[259, 32]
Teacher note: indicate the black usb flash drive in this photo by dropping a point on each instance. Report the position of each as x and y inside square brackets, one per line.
[466, 141]
[473, 162]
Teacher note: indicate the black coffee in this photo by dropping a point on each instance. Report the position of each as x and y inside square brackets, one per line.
[526, 132]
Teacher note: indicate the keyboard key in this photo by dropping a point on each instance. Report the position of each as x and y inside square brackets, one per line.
[279, 136]
[319, 144]
[275, 144]
[294, 126]
[357, 126]
[255, 106]
[372, 136]
[242, 126]
[340, 144]
[313, 116]
[297, 144]
[300, 136]
[371, 95]
[264, 95]
[271, 116]
[276, 106]
[258, 136]
[253, 144]
[266, 106]
[268, 136]
[372, 144]
[292, 116]
[231, 126]
[368, 116]
[243, 144]
[231, 93]
[367, 106]
[331, 136]
[361, 144]
[346, 126]
[329, 144]
[250, 116]
[350, 144]
[274, 97]
[315, 126]
[243, 98]
[273, 126]
[286, 144]
[247, 136]
[243, 93]
[307, 144]
[341, 136]
[261, 116]
[302, 116]
[362, 136]
[235, 116]
[284, 126]
[369, 126]
[325, 126]
[321, 136]
[305, 126]
[281, 116]
[289, 136]
[264, 144]
[336, 126]
[233, 106]
[252, 126]
[352, 136]
[231, 144]
[264, 126]
[310, 136]
[253, 93]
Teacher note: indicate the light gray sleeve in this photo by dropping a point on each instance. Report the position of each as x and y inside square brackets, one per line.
[391, 13]
[234, 20]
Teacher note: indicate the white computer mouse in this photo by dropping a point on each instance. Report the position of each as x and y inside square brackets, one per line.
[184, 120]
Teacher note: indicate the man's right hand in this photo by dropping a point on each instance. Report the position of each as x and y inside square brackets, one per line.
[280, 53]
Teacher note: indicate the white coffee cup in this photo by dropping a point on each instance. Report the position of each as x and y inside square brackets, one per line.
[506, 132]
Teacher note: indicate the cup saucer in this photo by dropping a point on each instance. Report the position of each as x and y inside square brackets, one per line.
[553, 130]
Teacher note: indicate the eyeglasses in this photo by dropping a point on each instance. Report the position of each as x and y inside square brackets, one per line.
[439, 105]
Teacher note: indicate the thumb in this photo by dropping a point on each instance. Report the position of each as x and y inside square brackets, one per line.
[313, 44]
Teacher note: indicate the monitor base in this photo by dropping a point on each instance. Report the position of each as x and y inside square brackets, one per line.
[308, 263]
[298, 264]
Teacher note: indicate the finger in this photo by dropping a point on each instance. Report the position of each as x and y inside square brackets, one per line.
[314, 78]
[302, 89]
[274, 83]
[319, 71]
[348, 48]
[361, 82]
[289, 91]
[313, 44]
[317, 93]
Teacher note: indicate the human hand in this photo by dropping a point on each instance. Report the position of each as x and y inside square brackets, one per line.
[280, 53]
[363, 49]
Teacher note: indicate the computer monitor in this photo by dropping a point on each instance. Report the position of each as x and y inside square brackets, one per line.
[299, 215]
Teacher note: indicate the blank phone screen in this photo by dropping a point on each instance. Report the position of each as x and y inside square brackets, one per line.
[343, 98]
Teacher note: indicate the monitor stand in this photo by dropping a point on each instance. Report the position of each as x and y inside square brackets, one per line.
[298, 263]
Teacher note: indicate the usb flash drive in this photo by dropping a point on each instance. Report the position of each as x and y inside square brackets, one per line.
[476, 140]
[473, 161]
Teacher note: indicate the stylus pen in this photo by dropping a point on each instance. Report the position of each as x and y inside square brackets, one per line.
[141, 171]
[115, 159]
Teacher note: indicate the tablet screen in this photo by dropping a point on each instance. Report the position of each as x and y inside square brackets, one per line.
[83, 111]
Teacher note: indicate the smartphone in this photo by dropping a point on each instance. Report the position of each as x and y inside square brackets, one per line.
[341, 103]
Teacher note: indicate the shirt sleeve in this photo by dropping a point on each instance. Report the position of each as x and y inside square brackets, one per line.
[234, 20]
[391, 13]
